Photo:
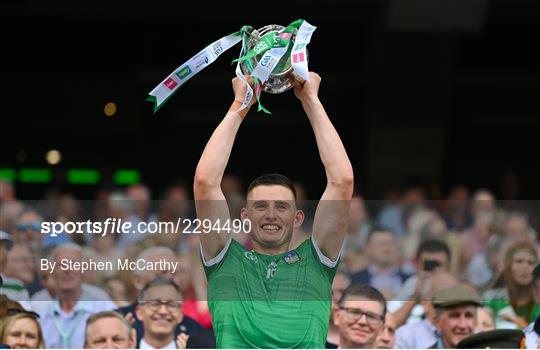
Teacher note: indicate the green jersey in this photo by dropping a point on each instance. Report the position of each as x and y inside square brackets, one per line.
[270, 301]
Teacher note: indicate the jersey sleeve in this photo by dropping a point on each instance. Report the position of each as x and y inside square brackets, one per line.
[212, 265]
[329, 266]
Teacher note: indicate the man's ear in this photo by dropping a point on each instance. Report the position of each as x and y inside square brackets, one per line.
[138, 312]
[298, 218]
[336, 317]
[244, 213]
[133, 338]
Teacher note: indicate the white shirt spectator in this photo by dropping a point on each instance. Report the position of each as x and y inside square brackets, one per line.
[66, 330]
[14, 290]
[418, 335]
[145, 345]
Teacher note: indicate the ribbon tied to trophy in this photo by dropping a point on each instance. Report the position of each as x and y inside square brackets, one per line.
[273, 55]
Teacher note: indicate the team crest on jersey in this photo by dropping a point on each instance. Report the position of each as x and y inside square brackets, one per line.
[291, 257]
[251, 256]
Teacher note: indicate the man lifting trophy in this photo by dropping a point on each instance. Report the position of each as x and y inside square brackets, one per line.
[275, 295]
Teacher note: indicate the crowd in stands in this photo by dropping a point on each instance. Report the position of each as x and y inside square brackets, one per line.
[416, 272]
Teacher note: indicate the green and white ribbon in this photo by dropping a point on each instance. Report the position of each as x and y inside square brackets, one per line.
[273, 46]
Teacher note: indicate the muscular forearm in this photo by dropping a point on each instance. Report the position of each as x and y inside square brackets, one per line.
[218, 150]
[333, 155]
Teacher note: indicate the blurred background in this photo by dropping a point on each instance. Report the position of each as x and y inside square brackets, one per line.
[436, 91]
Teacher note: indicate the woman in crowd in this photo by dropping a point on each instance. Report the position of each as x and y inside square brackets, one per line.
[21, 331]
[511, 296]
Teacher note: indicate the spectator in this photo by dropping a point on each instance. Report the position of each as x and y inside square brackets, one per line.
[532, 331]
[191, 280]
[142, 278]
[123, 208]
[27, 229]
[175, 204]
[512, 296]
[339, 284]
[108, 330]
[21, 331]
[383, 271]
[160, 311]
[21, 264]
[455, 308]
[360, 318]
[484, 265]
[456, 214]
[394, 216]
[387, 338]
[141, 196]
[11, 287]
[9, 307]
[63, 320]
[517, 228]
[485, 320]
[432, 256]
[359, 225]
[422, 333]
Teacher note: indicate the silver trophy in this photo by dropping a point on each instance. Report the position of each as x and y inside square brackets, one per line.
[282, 76]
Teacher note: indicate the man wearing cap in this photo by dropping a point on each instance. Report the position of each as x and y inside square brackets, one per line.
[532, 331]
[455, 314]
[11, 287]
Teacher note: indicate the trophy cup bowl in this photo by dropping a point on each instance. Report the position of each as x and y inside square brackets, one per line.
[282, 76]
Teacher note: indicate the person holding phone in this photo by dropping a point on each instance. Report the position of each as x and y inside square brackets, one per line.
[432, 256]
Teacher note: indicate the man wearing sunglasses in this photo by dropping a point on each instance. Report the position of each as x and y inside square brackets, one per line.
[360, 318]
[160, 310]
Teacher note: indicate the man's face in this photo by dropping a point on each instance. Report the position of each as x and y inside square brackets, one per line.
[160, 311]
[27, 228]
[67, 279]
[359, 322]
[21, 263]
[273, 215]
[109, 333]
[387, 337]
[456, 323]
[517, 227]
[383, 248]
[439, 257]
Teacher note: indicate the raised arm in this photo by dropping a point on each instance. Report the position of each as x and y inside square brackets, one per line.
[209, 199]
[331, 217]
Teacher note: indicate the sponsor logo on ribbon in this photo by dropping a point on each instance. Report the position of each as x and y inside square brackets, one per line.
[170, 83]
[183, 72]
[298, 57]
[217, 48]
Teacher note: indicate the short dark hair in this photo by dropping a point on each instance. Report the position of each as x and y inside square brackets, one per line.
[376, 229]
[366, 291]
[433, 246]
[272, 179]
[160, 281]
